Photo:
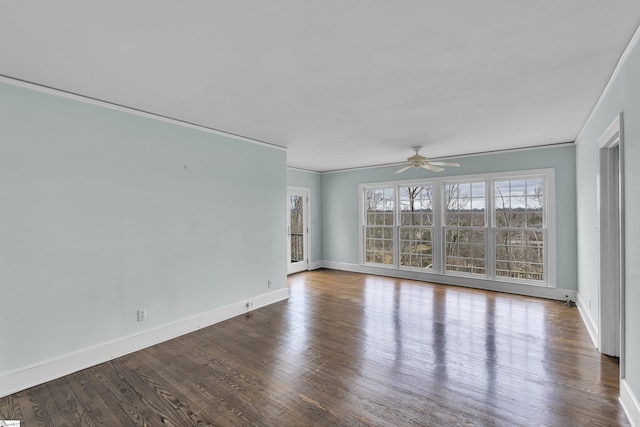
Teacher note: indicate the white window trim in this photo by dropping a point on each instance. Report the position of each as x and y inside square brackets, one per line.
[465, 179]
[307, 221]
[398, 225]
[362, 225]
[550, 269]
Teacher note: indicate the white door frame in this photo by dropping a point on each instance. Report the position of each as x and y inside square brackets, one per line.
[304, 264]
[610, 211]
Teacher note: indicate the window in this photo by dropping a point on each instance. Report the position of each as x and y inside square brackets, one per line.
[416, 226]
[379, 247]
[490, 227]
[465, 227]
[520, 232]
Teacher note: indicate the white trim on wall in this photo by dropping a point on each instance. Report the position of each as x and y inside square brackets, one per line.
[614, 75]
[293, 168]
[307, 224]
[452, 157]
[630, 403]
[130, 110]
[488, 285]
[610, 240]
[41, 372]
[315, 265]
[592, 326]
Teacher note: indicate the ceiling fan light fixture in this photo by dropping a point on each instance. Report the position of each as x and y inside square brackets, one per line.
[420, 161]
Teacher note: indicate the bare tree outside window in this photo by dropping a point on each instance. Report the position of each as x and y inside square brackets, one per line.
[416, 226]
[465, 227]
[520, 234]
[296, 232]
[379, 224]
[492, 228]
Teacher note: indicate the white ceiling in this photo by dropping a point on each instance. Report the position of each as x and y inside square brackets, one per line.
[340, 83]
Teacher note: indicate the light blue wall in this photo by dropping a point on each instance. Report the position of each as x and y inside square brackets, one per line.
[312, 181]
[99, 217]
[623, 96]
[340, 201]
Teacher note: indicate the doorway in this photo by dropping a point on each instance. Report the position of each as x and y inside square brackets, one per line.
[297, 229]
[611, 241]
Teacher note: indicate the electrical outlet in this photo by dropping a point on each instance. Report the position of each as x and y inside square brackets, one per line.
[142, 315]
[269, 284]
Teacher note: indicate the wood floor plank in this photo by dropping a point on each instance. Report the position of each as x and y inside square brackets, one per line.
[68, 405]
[44, 407]
[97, 412]
[10, 408]
[352, 349]
[114, 395]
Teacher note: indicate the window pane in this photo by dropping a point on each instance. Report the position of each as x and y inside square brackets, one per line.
[373, 232]
[502, 194]
[388, 233]
[519, 205]
[388, 219]
[406, 218]
[379, 221]
[520, 254]
[517, 218]
[379, 200]
[534, 219]
[517, 188]
[465, 234]
[416, 247]
[464, 219]
[457, 201]
[478, 219]
[416, 206]
[465, 204]
[502, 217]
[379, 245]
[465, 250]
[535, 187]
[478, 189]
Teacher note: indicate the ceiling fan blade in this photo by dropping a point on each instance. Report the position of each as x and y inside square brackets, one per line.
[432, 168]
[404, 169]
[444, 164]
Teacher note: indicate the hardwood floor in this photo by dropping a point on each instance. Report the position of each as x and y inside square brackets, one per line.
[351, 349]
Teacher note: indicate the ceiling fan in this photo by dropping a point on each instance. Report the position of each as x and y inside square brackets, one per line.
[418, 161]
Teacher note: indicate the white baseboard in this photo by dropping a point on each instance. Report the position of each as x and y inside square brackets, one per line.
[489, 285]
[630, 403]
[588, 321]
[314, 265]
[41, 372]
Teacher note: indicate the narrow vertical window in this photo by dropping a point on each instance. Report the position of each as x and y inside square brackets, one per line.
[520, 231]
[465, 228]
[416, 226]
[296, 229]
[379, 224]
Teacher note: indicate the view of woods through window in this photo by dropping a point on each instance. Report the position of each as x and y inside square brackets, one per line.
[520, 233]
[465, 227]
[296, 229]
[416, 226]
[380, 223]
[489, 227]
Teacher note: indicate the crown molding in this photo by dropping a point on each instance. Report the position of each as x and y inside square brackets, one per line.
[614, 75]
[458, 156]
[122, 108]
